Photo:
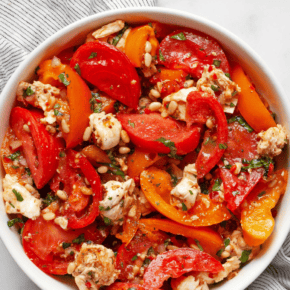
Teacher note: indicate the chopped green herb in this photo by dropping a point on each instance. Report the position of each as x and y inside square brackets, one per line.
[14, 167]
[110, 198]
[57, 113]
[63, 79]
[122, 265]
[261, 193]
[71, 253]
[61, 154]
[228, 75]
[132, 288]
[77, 69]
[29, 91]
[170, 145]
[217, 184]
[179, 36]
[28, 172]
[36, 69]
[223, 224]
[198, 244]
[191, 192]
[174, 178]
[146, 262]
[232, 105]
[223, 146]
[150, 251]
[236, 192]
[214, 88]
[219, 252]
[18, 195]
[150, 24]
[107, 221]
[116, 170]
[56, 106]
[256, 163]
[161, 57]
[227, 242]
[132, 124]
[234, 93]
[134, 258]
[207, 140]
[157, 203]
[184, 207]
[242, 122]
[14, 155]
[80, 239]
[92, 55]
[12, 222]
[166, 243]
[216, 63]
[98, 108]
[245, 256]
[66, 245]
[117, 38]
[49, 199]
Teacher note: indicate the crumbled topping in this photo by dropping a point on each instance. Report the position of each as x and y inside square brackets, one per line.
[109, 29]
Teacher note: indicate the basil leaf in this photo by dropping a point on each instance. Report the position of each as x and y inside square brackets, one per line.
[80, 239]
[134, 258]
[228, 75]
[242, 122]
[179, 36]
[78, 69]
[63, 79]
[66, 245]
[29, 91]
[170, 145]
[223, 146]
[49, 199]
[98, 108]
[92, 55]
[161, 57]
[12, 222]
[18, 195]
[245, 256]
[107, 221]
[14, 155]
[132, 124]
[217, 184]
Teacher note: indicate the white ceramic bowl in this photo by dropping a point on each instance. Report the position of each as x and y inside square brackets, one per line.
[75, 33]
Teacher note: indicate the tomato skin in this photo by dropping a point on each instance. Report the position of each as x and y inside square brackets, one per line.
[196, 49]
[177, 262]
[199, 107]
[66, 55]
[232, 183]
[148, 128]
[40, 148]
[110, 70]
[41, 240]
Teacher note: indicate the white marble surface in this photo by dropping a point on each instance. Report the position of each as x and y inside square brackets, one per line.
[263, 24]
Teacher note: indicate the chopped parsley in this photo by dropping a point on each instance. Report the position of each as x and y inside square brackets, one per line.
[57, 113]
[232, 105]
[80, 239]
[14, 155]
[92, 55]
[179, 36]
[214, 88]
[227, 242]
[132, 124]
[228, 75]
[217, 184]
[191, 193]
[242, 122]
[98, 108]
[61, 154]
[216, 63]
[28, 172]
[199, 245]
[174, 178]
[29, 91]
[261, 193]
[161, 57]
[18, 195]
[12, 222]
[245, 256]
[66, 245]
[134, 258]
[77, 69]
[223, 146]
[49, 199]
[63, 78]
[56, 106]
[256, 163]
[14, 167]
[234, 93]
[107, 221]
[117, 38]
[95, 99]
[170, 145]
[184, 207]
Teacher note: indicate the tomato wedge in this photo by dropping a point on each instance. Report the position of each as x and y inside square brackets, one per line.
[176, 263]
[41, 240]
[40, 148]
[236, 189]
[79, 161]
[190, 51]
[199, 107]
[109, 69]
[144, 130]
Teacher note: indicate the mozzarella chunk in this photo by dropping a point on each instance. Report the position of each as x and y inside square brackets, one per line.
[187, 190]
[107, 130]
[109, 29]
[230, 265]
[272, 141]
[43, 94]
[190, 283]
[216, 78]
[117, 200]
[29, 206]
[144, 204]
[180, 98]
[94, 264]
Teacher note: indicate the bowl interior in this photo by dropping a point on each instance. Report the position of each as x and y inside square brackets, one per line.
[75, 34]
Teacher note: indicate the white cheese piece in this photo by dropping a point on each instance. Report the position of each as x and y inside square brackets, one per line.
[272, 141]
[230, 265]
[94, 264]
[187, 190]
[180, 98]
[117, 200]
[29, 206]
[49, 117]
[107, 130]
[191, 283]
[229, 90]
[109, 29]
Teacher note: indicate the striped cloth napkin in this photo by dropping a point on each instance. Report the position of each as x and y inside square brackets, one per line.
[24, 24]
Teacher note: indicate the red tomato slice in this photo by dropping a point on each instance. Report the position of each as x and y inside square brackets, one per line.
[236, 189]
[66, 55]
[174, 263]
[145, 129]
[109, 69]
[241, 144]
[40, 148]
[199, 107]
[193, 53]
[41, 240]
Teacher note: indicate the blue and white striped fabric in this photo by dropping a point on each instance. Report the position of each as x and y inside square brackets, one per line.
[24, 24]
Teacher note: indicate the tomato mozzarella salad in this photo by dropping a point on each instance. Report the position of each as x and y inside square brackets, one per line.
[142, 159]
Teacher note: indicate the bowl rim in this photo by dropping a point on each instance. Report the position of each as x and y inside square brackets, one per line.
[267, 257]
